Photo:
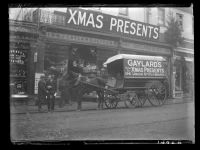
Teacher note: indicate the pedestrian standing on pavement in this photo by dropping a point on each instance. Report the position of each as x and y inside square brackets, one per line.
[41, 92]
[62, 89]
[51, 90]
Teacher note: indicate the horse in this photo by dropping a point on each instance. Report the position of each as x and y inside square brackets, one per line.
[79, 85]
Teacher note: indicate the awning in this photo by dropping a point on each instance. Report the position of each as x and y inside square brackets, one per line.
[129, 56]
[189, 59]
[19, 96]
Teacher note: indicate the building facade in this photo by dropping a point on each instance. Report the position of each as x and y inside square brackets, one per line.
[182, 80]
[98, 33]
[23, 38]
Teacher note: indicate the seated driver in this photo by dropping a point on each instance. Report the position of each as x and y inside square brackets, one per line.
[111, 81]
[119, 80]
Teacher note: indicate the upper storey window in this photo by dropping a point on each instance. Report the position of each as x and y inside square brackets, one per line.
[161, 16]
[123, 11]
[179, 18]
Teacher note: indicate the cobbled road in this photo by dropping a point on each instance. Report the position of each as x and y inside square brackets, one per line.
[168, 122]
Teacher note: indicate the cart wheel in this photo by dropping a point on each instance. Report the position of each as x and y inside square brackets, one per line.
[157, 93]
[110, 100]
[132, 101]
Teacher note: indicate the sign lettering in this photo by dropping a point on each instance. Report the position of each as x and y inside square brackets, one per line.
[144, 68]
[77, 18]
[97, 21]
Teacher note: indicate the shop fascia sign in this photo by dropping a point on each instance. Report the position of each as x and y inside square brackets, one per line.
[83, 39]
[99, 22]
[21, 29]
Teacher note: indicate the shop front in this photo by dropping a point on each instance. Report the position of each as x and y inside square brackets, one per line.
[78, 49]
[22, 36]
[88, 38]
[184, 75]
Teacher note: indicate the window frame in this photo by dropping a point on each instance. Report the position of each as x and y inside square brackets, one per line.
[178, 19]
[120, 12]
[163, 17]
[148, 14]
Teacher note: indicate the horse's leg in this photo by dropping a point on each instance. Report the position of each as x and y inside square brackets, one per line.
[70, 94]
[100, 99]
[80, 92]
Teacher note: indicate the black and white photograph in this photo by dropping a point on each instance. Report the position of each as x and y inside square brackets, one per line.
[102, 73]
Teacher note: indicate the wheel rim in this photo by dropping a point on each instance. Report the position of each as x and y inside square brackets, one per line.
[157, 94]
[110, 101]
[131, 102]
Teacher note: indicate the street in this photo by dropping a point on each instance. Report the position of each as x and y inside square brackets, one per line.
[168, 122]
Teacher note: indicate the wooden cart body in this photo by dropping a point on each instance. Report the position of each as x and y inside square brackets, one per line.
[136, 70]
[138, 75]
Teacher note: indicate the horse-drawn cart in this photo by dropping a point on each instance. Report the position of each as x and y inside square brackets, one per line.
[137, 78]
[132, 79]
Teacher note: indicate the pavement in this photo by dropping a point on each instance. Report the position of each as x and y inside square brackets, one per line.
[86, 105]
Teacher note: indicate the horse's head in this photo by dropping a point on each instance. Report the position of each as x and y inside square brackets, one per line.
[73, 78]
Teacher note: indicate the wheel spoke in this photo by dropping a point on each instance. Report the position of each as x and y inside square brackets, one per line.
[110, 100]
[157, 94]
[131, 101]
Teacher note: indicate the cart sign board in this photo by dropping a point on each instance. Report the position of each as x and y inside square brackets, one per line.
[142, 68]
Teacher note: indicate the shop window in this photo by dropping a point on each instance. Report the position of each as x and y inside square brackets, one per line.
[161, 16]
[84, 57]
[58, 19]
[189, 71]
[18, 69]
[54, 55]
[179, 18]
[178, 78]
[123, 11]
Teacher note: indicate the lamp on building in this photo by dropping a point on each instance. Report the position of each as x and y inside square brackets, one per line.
[35, 56]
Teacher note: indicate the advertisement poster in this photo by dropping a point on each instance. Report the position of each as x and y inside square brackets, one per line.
[144, 68]
[37, 78]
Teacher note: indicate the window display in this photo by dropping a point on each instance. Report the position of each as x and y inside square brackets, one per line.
[84, 57]
[18, 70]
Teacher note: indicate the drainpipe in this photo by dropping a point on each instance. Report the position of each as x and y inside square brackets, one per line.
[119, 46]
[173, 73]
